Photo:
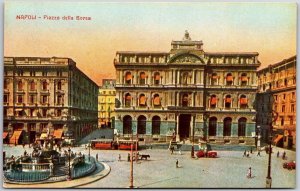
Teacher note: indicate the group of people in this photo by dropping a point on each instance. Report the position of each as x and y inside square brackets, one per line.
[247, 153]
[283, 155]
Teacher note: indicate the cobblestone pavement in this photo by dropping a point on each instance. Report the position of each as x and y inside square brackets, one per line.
[227, 171]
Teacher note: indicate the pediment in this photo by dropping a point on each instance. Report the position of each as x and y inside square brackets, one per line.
[186, 59]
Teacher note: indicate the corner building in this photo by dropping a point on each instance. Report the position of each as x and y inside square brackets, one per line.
[277, 92]
[47, 96]
[186, 93]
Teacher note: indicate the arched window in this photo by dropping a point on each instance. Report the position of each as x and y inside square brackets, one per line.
[156, 100]
[142, 78]
[5, 84]
[127, 100]
[44, 85]
[214, 79]
[242, 126]
[243, 102]
[229, 79]
[244, 79]
[32, 85]
[213, 101]
[185, 100]
[141, 125]
[156, 125]
[127, 124]
[156, 78]
[59, 85]
[212, 126]
[20, 85]
[227, 126]
[228, 102]
[142, 100]
[184, 78]
[128, 78]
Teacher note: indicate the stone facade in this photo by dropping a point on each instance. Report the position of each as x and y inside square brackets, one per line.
[277, 92]
[47, 94]
[106, 103]
[187, 93]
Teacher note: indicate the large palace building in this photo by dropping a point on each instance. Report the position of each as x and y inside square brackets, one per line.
[277, 92]
[47, 97]
[187, 93]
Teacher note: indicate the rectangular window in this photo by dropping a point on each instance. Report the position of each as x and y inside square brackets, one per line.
[58, 113]
[283, 108]
[20, 98]
[31, 99]
[31, 112]
[283, 96]
[293, 108]
[5, 98]
[44, 112]
[44, 99]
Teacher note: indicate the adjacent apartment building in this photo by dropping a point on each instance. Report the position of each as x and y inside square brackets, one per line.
[47, 97]
[106, 103]
[277, 92]
[187, 94]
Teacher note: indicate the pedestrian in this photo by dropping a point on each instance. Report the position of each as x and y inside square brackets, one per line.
[119, 157]
[283, 155]
[23, 145]
[251, 150]
[277, 154]
[249, 175]
[244, 153]
[97, 157]
[179, 151]
[177, 163]
[258, 153]
[172, 150]
[128, 157]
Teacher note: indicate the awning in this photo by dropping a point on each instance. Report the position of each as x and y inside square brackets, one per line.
[228, 100]
[57, 134]
[15, 138]
[156, 100]
[214, 76]
[5, 135]
[229, 78]
[43, 136]
[157, 77]
[243, 101]
[142, 100]
[278, 138]
[213, 100]
[244, 78]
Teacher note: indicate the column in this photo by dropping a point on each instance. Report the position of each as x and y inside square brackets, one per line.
[193, 77]
[178, 77]
[177, 128]
[177, 98]
[193, 96]
[191, 127]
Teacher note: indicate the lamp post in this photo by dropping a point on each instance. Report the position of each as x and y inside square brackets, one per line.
[258, 138]
[69, 151]
[193, 150]
[274, 116]
[89, 146]
[136, 146]
[131, 161]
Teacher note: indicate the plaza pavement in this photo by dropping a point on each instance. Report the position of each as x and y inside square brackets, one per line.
[227, 171]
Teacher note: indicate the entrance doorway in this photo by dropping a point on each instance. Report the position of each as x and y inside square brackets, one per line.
[184, 126]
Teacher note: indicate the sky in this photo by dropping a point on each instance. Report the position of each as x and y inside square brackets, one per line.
[266, 28]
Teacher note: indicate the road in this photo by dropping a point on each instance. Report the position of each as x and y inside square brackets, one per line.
[227, 171]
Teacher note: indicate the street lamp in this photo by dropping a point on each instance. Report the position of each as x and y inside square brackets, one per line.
[193, 150]
[69, 151]
[258, 138]
[89, 146]
[131, 161]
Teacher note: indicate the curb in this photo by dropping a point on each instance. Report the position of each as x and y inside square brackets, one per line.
[66, 184]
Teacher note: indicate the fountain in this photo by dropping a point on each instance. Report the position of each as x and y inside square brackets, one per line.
[45, 164]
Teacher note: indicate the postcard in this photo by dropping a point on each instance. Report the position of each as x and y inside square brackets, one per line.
[149, 95]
